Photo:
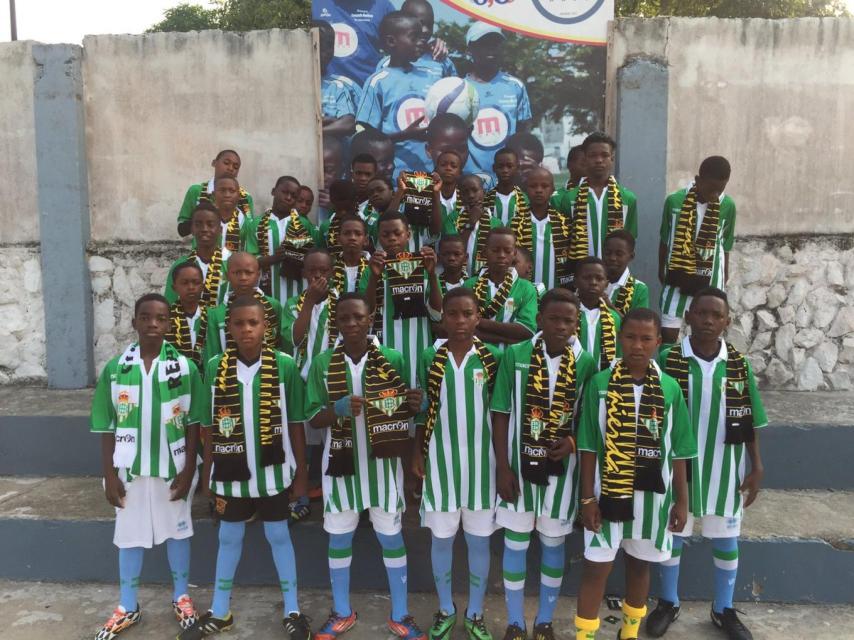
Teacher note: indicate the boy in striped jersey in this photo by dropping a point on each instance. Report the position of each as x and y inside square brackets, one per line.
[452, 262]
[534, 408]
[226, 198]
[634, 439]
[599, 322]
[188, 317]
[472, 221]
[254, 451]
[454, 457]
[147, 407]
[697, 234]
[353, 260]
[348, 390]
[505, 199]
[624, 290]
[725, 409]
[524, 264]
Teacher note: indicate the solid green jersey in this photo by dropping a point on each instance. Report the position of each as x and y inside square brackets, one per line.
[275, 478]
[590, 331]
[153, 456]
[521, 305]
[558, 499]
[377, 482]
[222, 289]
[597, 214]
[651, 510]
[449, 227]
[216, 335]
[460, 464]
[640, 294]
[282, 287]
[505, 205]
[316, 338]
[719, 469]
[204, 191]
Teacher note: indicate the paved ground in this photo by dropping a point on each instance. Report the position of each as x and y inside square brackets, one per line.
[38, 611]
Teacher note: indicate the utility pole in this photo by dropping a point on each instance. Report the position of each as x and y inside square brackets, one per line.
[13, 20]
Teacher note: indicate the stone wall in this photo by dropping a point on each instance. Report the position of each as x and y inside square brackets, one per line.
[793, 310]
[22, 336]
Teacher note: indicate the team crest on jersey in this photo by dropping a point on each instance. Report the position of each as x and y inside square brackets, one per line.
[226, 422]
[404, 266]
[478, 377]
[538, 425]
[566, 414]
[388, 402]
[510, 306]
[410, 109]
[177, 416]
[653, 424]
[491, 128]
[124, 406]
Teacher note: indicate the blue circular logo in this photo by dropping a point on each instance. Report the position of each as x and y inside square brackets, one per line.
[551, 10]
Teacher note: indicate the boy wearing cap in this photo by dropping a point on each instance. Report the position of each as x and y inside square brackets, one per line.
[504, 104]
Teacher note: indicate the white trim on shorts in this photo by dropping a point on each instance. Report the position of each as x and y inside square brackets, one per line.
[526, 522]
[386, 523]
[149, 517]
[713, 526]
[640, 549]
[445, 524]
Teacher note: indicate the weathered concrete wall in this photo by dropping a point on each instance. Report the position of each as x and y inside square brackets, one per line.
[773, 96]
[159, 107]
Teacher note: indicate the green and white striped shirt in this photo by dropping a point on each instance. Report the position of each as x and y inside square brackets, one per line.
[222, 290]
[558, 499]
[590, 331]
[543, 253]
[377, 482]
[640, 298]
[276, 478]
[521, 305]
[651, 510]
[505, 206]
[719, 469]
[460, 465]
[317, 333]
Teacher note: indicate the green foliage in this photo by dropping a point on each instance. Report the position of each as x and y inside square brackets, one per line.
[732, 8]
[237, 15]
[187, 17]
[562, 79]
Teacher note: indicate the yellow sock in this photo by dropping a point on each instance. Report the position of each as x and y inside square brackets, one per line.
[585, 629]
[631, 621]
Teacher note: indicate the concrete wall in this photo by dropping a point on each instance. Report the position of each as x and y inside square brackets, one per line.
[159, 106]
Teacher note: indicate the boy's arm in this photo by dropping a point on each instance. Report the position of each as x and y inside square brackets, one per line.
[500, 404]
[753, 480]
[113, 487]
[342, 127]
[662, 262]
[186, 212]
[180, 486]
[632, 214]
[679, 511]
[664, 240]
[371, 279]
[296, 432]
[318, 413]
[509, 332]
[207, 464]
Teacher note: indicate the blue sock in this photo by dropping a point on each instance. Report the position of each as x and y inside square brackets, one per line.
[227, 559]
[441, 557]
[340, 558]
[178, 553]
[279, 537]
[394, 558]
[669, 572]
[130, 566]
[551, 575]
[515, 568]
[478, 547]
[725, 551]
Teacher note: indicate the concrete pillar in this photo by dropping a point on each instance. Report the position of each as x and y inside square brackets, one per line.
[63, 214]
[642, 156]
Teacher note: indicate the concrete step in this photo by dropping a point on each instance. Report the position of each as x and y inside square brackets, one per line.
[37, 610]
[797, 546]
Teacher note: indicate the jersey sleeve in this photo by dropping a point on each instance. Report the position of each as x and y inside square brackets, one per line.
[207, 420]
[641, 297]
[191, 198]
[528, 306]
[502, 390]
[294, 388]
[666, 221]
[425, 359]
[631, 224]
[729, 229]
[289, 316]
[682, 439]
[395, 359]
[168, 289]
[250, 236]
[251, 202]
[102, 418]
[759, 418]
[370, 110]
[589, 433]
[199, 409]
[316, 393]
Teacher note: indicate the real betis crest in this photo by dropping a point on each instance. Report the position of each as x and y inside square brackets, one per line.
[538, 425]
[124, 406]
[653, 424]
[226, 422]
[738, 385]
[177, 416]
[478, 377]
[419, 180]
[405, 265]
[705, 253]
[566, 414]
[388, 402]
[298, 243]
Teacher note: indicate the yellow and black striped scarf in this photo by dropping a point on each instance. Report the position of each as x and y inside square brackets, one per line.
[443, 281]
[632, 442]
[271, 333]
[465, 225]
[331, 327]
[386, 412]
[607, 337]
[546, 421]
[180, 336]
[489, 308]
[436, 376]
[296, 241]
[339, 274]
[231, 241]
[242, 200]
[210, 293]
[228, 435]
[332, 232]
[521, 202]
[579, 248]
[625, 297]
[691, 260]
[522, 226]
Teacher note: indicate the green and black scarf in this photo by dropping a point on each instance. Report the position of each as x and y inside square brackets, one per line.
[691, 260]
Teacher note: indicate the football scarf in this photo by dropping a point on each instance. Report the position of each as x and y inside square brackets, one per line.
[546, 421]
[173, 380]
[271, 333]
[466, 226]
[331, 329]
[578, 249]
[436, 376]
[489, 308]
[691, 260]
[179, 332]
[522, 226]
[332, 233]
[386, 412]
[521, 203]
[339, 274]
[404, 275]
[229, 433]
[296, 241]
[213, 279]
[231, 237]
[242, 201]
[447, 286]
[607, 336]
[632, 442]
[625, 297]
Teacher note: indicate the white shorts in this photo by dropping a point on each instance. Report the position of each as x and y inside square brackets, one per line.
[149, 517]
[671, 322]
[445, 524]
[526, 521]
[640, 549]
[713, 526]
[384, 522]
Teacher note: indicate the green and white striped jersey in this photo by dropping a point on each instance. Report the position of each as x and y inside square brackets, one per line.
[460, 465]
[153, 457]
[275, 478]
[640, 297]
[673, 302]
[204, 191]
[590, 331]
[215, 341]
[505, 206]
[449, 227]
[719, 469]
[558, 499]
[222, 290]
[317, 333]
[543, 253]
[377, 482]
[651, 510]
[521, 305]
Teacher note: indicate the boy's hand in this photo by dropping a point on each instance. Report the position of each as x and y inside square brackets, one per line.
[506, 483]
[114, 490]
[299, 485]
[401, 183]
[591, 517]
[562, 448]
[317, 290]
[356, 405]
[323, 198]
[437, 182]
[205, 488]
[418, 464]
[180, 486]
[377, 262]
[750, 486]
[440, 49]
[413, 131]
[429, 256]
[678, 515]
[413, 400]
